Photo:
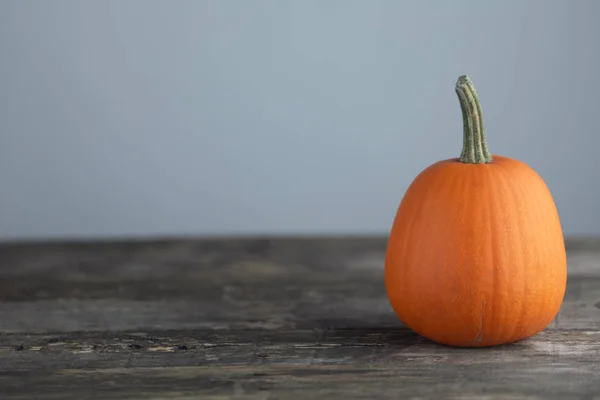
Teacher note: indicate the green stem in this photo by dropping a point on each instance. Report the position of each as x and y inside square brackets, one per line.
[475, 149]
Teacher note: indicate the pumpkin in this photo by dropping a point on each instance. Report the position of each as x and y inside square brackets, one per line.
[476, 254]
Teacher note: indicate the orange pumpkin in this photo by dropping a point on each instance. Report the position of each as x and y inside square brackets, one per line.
[476, 254]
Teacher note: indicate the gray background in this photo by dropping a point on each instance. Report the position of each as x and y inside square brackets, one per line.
[222, 117]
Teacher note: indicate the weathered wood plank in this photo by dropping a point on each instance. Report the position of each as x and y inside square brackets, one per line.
[242, 258]
[350, 301]
[374, 347]
[373, 363]
[469, 381]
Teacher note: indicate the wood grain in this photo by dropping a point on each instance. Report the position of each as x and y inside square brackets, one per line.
[260, 318]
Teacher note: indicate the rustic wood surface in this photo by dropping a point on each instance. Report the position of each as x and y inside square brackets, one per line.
[260, 319]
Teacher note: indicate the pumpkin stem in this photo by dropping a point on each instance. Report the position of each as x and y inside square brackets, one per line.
[475, 149]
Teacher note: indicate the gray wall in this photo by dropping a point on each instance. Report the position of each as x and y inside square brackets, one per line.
[201, 117]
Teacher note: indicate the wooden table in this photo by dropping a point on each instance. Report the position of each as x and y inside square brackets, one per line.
[260, 319]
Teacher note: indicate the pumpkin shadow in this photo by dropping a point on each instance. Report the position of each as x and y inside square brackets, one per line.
[351, 333]
[346, 332]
